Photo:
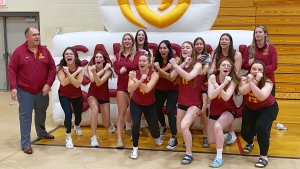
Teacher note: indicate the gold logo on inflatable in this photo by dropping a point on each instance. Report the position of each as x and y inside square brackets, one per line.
[152, 18]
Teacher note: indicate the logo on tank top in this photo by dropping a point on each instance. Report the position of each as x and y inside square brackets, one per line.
[252, 98]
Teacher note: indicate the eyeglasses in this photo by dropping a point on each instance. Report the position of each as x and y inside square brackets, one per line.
[226, 65]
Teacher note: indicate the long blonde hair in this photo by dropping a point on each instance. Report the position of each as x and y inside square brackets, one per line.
[253, 44]
[133, 47]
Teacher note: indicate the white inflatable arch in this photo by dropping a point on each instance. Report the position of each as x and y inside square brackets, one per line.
[181, 30]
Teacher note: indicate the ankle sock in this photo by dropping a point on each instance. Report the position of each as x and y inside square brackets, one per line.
[219, 153]
[143, 123]
[128, 126]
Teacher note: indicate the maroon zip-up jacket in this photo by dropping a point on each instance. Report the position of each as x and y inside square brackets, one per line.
[31, 71]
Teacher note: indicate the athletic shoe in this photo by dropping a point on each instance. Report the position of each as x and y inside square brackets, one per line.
[187, 159]
[232, 140]
[205, 143]
[163, 131]
[172, 143]
[94, 141]
[120, 144]
[78, 131]
[144, 131]
[227, 138]
[158, 141]
[248, 148]
[217, 163]
[134, 154]
[69, 143]
[111, 128]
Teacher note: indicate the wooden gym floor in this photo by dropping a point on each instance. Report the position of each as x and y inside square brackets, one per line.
[284, 150]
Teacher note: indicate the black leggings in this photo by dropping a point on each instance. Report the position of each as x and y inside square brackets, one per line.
[259, 122]
[172, 98]
[67, 104]
[151, 118]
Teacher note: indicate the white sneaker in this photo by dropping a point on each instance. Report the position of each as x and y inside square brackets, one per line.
[78, 131]
[134, 154]
[120, 144]
[94, 141]
[232, 140]
[69, 143]
[158, 141]
[111, 128]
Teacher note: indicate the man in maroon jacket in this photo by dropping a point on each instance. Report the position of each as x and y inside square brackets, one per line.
[31, 73]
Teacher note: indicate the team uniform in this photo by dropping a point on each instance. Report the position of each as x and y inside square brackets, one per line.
[70, 99]
[258, 117]
[166, 90]
[142, 102]
[189, 93]
[218, 105]
[101, 93]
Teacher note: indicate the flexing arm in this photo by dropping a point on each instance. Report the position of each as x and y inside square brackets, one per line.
[99, 81]
[151, 84]
[244, 87]
[71, 77]
[91, 69]
[133, 83]
[226, 95]
[189, 75]
[214, 89]
[77, 81]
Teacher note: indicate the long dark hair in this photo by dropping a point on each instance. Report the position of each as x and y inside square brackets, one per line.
[145, 45]
[264, 78]
[218, 50]
[158, 57]
[63, 61]
[232, 74]
[204, 49]
[106, 59]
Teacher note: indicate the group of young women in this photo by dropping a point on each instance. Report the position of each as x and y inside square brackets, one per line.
[147, 82]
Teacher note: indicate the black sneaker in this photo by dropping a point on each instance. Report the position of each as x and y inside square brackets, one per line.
[187, 159]
[172, 143]
[248, 148]
[163, 131]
